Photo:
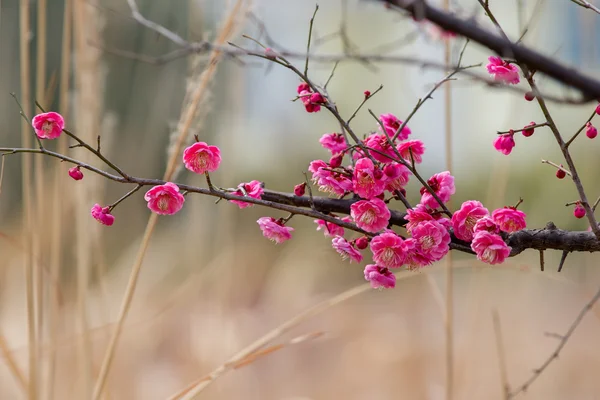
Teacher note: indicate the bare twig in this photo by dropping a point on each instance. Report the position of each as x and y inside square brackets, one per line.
[563, 341]
[587, 4]
[501, 354]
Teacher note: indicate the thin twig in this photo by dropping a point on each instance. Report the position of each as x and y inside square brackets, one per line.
[501, 354]
[563, 341]
[562, 260]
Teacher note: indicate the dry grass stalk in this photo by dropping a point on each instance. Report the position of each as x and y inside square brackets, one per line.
[187, 118]
[59, 182]
[24, 32]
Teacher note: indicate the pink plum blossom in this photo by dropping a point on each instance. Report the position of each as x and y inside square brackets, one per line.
[391, 123]
[76, 173]
[509, 219]
[414, 147]
[490, 248]
[48, 125]
[395, 176]
[505, 143]
[416, 215]
[486, 224]
[201, 158]
[274, 229]
[329, 229]
[346, 250]
[389, 250]
[253, 189]
[503, 71]
[164, 199]
[370, 215]
[367, 179]
[443, 185]
[432, 240]
[334, 142]
[328, 181]
[103, 215]
[379, 277]
[464, 220]
[379, 144]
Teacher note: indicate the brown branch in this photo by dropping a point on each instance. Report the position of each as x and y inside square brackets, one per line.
[589, 87]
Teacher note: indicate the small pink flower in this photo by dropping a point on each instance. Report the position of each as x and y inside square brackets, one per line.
[416, 215]
[504, 143]
[300, 189]
[391, 123]
[367, 179]
[48, 125]
[303, 87]
[503, 71]
[590, 130]
[490, 248]
[416, 148]
[76, 173]
[415, 258]
[381, 151]
[345, 249]
[164, 199]
[380, 277]
[486, 224]
[443, 185]
[329, 229]
[389, 250]
[432, 239]
[334, 142]
[201, 158]
[328, 181]
[509, 219]
[464, 220]
[579, 211]
[253, 189]
[311, 100]
[103, 215]
[395, 176]
[370, 215]
[274, 229]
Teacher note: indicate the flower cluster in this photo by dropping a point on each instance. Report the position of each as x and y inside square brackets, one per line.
[370, 173]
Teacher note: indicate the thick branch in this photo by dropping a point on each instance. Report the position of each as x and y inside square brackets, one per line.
[589, 87]
[552, 238]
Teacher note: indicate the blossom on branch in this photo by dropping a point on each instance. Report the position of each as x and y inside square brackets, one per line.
[201, 158]
[252, 189]
[503, 71]
[346, 250]
[165, 199]
[48, 125]
[274, 229]
[509, 219]
[103, 215]
[442, 185]
[490, 248]
[379, 277]
[465, 219]
[370, 215]
[505, 143]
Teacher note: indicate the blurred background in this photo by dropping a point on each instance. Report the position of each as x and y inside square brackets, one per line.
[210, 283]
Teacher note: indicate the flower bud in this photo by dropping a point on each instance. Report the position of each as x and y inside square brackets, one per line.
[300, 189]
[529, 96]
[361, 243]
[76, 173]
[591, 130]
[579, 211]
